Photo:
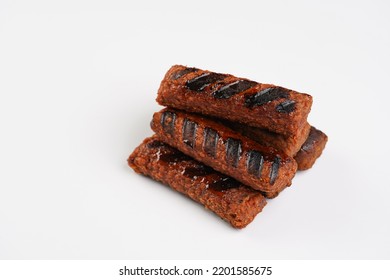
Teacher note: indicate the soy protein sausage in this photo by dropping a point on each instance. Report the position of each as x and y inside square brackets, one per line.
[227, 151]
[232, 201]
[267, 106]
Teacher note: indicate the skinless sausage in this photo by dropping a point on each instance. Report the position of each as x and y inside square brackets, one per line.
[266, 106]
[229, 199]
[225, 150]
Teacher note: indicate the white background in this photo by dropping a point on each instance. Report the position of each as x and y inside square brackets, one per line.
[78, 83]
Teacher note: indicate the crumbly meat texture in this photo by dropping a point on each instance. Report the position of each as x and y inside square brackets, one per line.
[224, 96]
[290, 145]
[227, 151]
[312, 149]
[230, 200]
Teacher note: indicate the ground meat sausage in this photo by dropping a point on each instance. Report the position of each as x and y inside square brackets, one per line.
[290, 145]
[227, 151]
[312, 149]
[223, 195]
[224, 96]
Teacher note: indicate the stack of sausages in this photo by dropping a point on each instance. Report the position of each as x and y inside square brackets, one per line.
[226, 142]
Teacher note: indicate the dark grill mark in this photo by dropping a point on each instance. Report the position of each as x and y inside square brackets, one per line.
[210, 141]
[274, 170]
[287, 106]
[199, 83]
[189, 132]
[173, 157]
[198, 170]
[265, 96]
[168, 122]
[233, 88]
[155, 144]
[254, 163]
[224, 183]
[233, 151]
[183, 72]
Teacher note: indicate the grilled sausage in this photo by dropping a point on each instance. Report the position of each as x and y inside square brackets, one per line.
[289, 145]
[223, 195]
[312, 149]
[224, 96]
[306, 146]
[225, 150]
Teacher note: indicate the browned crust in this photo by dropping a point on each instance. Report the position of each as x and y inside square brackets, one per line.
[236, 167]
[237, 205]
[174, 93]
[312, 149]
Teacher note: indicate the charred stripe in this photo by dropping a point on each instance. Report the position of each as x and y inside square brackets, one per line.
[254, 163]
[189, 132]
[266, 95]
[199, 83]
[178, 74]
[231, 89]
[168, 120]
[210, 141]
[233, 151]
[274, 170]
